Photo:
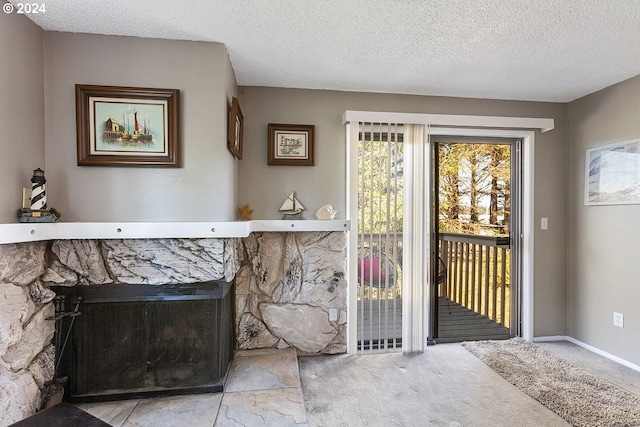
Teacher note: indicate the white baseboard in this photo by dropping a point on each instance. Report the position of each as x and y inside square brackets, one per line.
[588, 347]
[551, 338]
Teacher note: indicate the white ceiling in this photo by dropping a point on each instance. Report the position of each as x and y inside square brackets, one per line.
[539, 50]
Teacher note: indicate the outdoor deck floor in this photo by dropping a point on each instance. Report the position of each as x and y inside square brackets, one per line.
[379, 321]
[465, 325]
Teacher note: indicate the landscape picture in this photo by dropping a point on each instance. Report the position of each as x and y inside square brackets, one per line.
[613, 174]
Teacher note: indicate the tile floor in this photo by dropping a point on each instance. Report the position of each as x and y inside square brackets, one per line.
[263, 388]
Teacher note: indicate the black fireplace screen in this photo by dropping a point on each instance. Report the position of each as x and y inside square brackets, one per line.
[140, 340]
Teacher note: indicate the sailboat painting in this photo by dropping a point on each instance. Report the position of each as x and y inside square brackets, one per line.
[292, 208]
[134, 126]
[127, 126]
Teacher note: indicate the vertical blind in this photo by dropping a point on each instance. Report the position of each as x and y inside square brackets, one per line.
[380, 222]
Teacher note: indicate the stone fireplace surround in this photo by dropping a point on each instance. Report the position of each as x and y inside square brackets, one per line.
[287, 283]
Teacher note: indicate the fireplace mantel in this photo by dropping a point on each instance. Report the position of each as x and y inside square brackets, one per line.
[31, 232]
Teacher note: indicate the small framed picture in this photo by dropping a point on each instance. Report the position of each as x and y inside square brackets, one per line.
[127, 126]
[234, 140]
[291, 145]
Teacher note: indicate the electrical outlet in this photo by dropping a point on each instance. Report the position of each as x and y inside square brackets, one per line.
[333, 314]
[618, 319]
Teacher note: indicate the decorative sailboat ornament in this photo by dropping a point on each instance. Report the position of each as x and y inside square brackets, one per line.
[292, 208]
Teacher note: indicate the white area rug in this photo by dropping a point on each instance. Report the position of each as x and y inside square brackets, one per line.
[582, 399]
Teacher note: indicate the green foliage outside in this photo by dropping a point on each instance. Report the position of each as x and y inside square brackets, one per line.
[380, 187]
[474, 188]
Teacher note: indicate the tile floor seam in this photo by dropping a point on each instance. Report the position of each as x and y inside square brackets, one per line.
[124, 422]
[262, 389]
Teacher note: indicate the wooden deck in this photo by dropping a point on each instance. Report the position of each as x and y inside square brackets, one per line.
[380, 321]
[466, 325]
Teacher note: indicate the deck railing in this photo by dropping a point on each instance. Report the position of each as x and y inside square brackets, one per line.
[477, 272]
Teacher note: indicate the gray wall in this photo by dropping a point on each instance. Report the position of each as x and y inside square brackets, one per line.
[203, 189]
[21, 109]
[603, 241]
[264, 187]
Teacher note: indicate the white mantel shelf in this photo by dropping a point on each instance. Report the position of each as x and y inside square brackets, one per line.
[31, 232]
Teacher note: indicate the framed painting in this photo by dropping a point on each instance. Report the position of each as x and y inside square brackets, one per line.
[612, 174]
[125, 126]
[291, 145]
[234, 139]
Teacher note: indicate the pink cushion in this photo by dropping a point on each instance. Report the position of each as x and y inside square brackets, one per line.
[370, 271]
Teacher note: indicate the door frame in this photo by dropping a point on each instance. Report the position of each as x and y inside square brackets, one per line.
[526, 317]
[511, 127]
[515, 225]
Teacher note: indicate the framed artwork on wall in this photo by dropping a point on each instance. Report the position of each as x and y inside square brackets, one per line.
[291, 145]
[234, 139]
[125, 126]
[612, 174]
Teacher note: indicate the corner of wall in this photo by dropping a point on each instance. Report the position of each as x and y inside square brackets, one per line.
[22, 88]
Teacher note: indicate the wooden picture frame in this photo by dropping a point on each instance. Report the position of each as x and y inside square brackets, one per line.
[291, 145]
[236, 125]
[127, 126]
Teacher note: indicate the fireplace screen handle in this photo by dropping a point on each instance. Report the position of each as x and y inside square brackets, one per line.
[59, 315]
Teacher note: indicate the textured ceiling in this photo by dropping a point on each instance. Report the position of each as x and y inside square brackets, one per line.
[540, 50]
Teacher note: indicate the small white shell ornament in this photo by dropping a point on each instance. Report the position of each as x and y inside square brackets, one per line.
[326, 212]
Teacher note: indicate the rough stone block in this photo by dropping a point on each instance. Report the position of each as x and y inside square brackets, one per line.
[37, 335]
[15, 308]
[59, 274]
[43, 366]
[83, 257]
[39, 294]
[268, 262]
[165, 261]
[19, 396]
[252, 333]
[295, 272]
[243, 280]
[304, 327]
[22, 263]
[231, 258]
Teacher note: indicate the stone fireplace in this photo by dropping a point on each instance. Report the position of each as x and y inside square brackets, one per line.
[290, 291]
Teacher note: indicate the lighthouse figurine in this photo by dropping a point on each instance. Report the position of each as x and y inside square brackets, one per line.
[38, 191]
[38, 211]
